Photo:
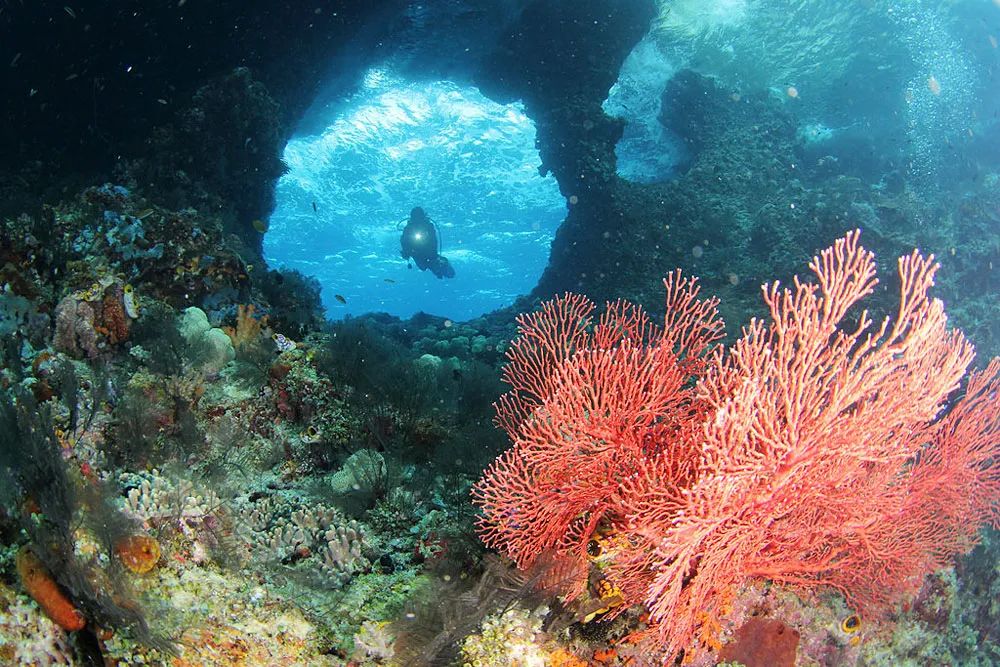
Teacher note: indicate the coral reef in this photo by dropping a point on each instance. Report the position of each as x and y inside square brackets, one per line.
[92, 320]
[29, 637]
[197, 469]
[138, 553]
[760, 642]
[511, 638]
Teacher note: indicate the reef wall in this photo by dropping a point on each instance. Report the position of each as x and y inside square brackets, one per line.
[191, 104]
[562, 59]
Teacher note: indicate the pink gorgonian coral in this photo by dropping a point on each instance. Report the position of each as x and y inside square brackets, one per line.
[820, 451]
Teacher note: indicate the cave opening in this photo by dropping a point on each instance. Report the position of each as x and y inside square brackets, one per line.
[395, 143]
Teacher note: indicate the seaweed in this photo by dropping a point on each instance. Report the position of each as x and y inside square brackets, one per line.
[229, 462]
[10, 359]
[253, 362]
[69, 392]
[295, 304]
[31, 464]
[187, 436]
[374, 475]
[134, 432]
[72, 390]
[150, 427]
[357, 355]
[392, 392]
[479, 387]
[159, 335]
[215, 527]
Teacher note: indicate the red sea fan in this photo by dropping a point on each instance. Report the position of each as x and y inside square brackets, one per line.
[815, 453]
[589, 407]
[823, 465]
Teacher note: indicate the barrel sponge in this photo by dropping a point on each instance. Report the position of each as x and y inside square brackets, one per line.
[40, 585]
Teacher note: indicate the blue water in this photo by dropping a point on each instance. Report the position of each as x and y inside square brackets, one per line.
[471, 163]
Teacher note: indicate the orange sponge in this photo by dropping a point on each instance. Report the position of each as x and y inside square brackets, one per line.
[40, 585]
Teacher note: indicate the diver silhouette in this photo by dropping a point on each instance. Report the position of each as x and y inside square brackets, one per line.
[420, 242]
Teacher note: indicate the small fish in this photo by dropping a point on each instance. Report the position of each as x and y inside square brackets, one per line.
[260, 225]
[131, 302]
[933, 85]
[144, 213]
[390, 281]
[311, 435]
[283, 343]
[315, 208]
[69, 10]
[456, 374]
[17, 56]
[340, 298]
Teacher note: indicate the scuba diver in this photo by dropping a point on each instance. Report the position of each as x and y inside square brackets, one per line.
[420, 242]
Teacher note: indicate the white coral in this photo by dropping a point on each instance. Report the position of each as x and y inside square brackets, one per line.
[513, 637]
[373, 640]
[155, 499]
[344, 552]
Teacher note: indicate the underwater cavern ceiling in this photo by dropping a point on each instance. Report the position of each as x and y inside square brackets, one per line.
[161, 101]
[495, 221]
